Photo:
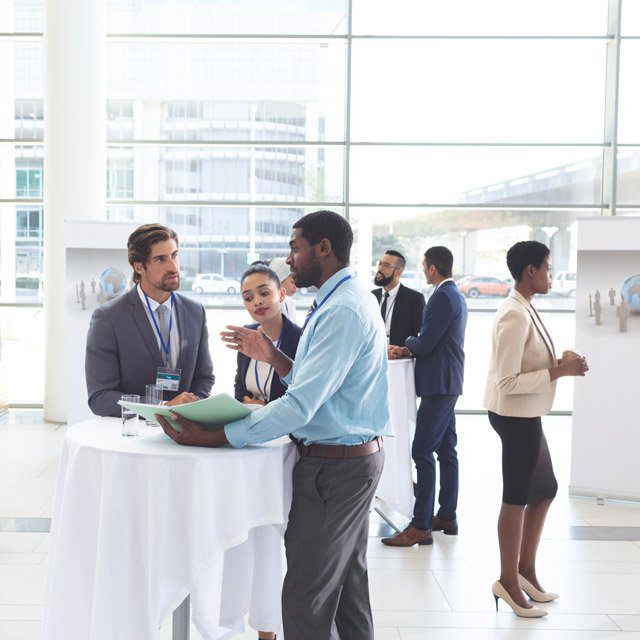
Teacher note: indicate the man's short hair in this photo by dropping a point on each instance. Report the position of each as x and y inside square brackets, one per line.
[328, 224]
[441, 258]
[261, 267]
[142, 239]
[397, 254]
[525, 253]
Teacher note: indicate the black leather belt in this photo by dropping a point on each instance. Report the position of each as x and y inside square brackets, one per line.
[339, 451]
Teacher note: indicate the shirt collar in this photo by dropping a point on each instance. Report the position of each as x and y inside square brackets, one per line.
[445, 280]
[393, 293]
[153, 303]
[332, 282]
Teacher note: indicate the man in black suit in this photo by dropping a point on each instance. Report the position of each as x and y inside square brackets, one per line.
[400, 306]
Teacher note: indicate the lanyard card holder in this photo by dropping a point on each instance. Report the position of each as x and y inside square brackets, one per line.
[168, 378]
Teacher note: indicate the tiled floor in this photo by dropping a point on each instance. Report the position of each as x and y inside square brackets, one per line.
[427, 592]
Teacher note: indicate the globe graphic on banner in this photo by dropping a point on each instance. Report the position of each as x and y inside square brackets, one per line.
[630, 290]
[113, 282]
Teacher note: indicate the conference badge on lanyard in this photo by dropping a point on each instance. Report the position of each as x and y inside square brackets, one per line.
[168, 378]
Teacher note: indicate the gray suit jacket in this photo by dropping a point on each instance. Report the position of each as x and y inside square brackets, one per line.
[123, 356]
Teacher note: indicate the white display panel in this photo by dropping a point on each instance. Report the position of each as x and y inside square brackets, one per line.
[96, 257]
[606, 424]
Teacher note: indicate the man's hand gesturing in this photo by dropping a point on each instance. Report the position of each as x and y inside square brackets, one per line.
[253, 343]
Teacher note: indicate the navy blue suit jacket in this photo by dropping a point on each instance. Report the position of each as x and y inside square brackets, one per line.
[290, 338]
[439, 348]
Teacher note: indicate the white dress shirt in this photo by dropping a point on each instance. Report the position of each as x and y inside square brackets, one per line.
[174, 350]
[265, 378]
[391, 300]
[445, 280]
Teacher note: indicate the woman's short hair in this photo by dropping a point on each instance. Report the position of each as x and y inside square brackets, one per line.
[525, 253]
[263, 269]
[142, 239]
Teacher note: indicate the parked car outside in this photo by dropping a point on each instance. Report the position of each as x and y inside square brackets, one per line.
[214, 283]
[564, 284]
[474, 286]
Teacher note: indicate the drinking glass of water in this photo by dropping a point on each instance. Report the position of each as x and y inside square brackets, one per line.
[129, 418]
[153, 395]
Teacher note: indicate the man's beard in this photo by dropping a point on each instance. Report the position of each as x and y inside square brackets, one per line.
[307, 276]
[169, 286]
[381, 281]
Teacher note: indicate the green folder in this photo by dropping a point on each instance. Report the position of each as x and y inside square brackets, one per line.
[212, 413]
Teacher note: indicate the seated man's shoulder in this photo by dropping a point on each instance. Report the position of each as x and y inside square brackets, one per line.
[115, 306]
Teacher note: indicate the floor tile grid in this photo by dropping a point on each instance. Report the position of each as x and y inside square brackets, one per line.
[437, 570]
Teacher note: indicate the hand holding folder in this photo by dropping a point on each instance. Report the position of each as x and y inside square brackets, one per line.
[212, 413]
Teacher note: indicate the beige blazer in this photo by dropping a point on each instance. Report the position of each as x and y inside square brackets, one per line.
[519, 383]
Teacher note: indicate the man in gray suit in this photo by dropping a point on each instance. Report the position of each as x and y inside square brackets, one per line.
[140, 336]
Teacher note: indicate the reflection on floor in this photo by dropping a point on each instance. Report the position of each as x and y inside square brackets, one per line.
[590, 553]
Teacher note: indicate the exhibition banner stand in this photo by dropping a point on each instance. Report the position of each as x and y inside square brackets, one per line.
[606, 420]
[97, 271]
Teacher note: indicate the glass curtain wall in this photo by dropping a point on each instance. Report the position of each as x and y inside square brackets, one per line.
[470, 124]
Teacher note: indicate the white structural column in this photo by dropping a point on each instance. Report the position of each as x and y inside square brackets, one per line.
[7, 157]
[74, 161]
[610, 156]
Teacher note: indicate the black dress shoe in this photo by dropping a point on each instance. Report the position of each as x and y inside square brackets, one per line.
[448, 527]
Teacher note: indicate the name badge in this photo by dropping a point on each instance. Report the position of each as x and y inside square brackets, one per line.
[168, 379]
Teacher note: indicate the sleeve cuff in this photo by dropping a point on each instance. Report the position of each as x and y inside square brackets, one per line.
[287, 379]
[237, 433]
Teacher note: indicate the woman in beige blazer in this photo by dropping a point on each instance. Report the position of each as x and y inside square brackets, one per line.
[520, 388]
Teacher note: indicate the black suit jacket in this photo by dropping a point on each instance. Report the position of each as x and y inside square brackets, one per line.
[122, 352]
[290, 337]
[406, 316]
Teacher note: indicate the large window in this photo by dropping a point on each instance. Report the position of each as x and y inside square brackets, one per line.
[467, 123]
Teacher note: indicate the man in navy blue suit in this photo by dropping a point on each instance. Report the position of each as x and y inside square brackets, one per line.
[439, 353]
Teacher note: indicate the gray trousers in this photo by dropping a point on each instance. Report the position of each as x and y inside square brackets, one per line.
[325, 595]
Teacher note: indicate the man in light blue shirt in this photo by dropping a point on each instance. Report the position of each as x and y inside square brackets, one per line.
[336, 408]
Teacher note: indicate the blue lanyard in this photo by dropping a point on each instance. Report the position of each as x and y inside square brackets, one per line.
[166, 348]
[266, 382]
[310, 315]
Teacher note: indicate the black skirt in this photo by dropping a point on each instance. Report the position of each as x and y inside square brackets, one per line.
[527, 472]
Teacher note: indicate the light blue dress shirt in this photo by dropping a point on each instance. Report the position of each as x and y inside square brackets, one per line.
[337, 389]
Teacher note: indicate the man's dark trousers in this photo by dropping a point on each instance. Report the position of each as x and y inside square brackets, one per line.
[435, 433]
[325, 595]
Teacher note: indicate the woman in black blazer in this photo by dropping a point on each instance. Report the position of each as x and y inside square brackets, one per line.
[257, 382]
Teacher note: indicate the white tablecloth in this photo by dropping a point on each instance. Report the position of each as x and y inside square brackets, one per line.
[139, 523]
[396, 485]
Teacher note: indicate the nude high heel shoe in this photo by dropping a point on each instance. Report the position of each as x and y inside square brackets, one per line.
[500, 592]
[535, 594]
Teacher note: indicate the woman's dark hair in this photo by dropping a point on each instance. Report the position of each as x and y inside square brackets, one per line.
[257, 267]
[142, 239]
[525, 253]
[329, 225]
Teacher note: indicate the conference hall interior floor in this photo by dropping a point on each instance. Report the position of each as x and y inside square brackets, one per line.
[590, 553]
